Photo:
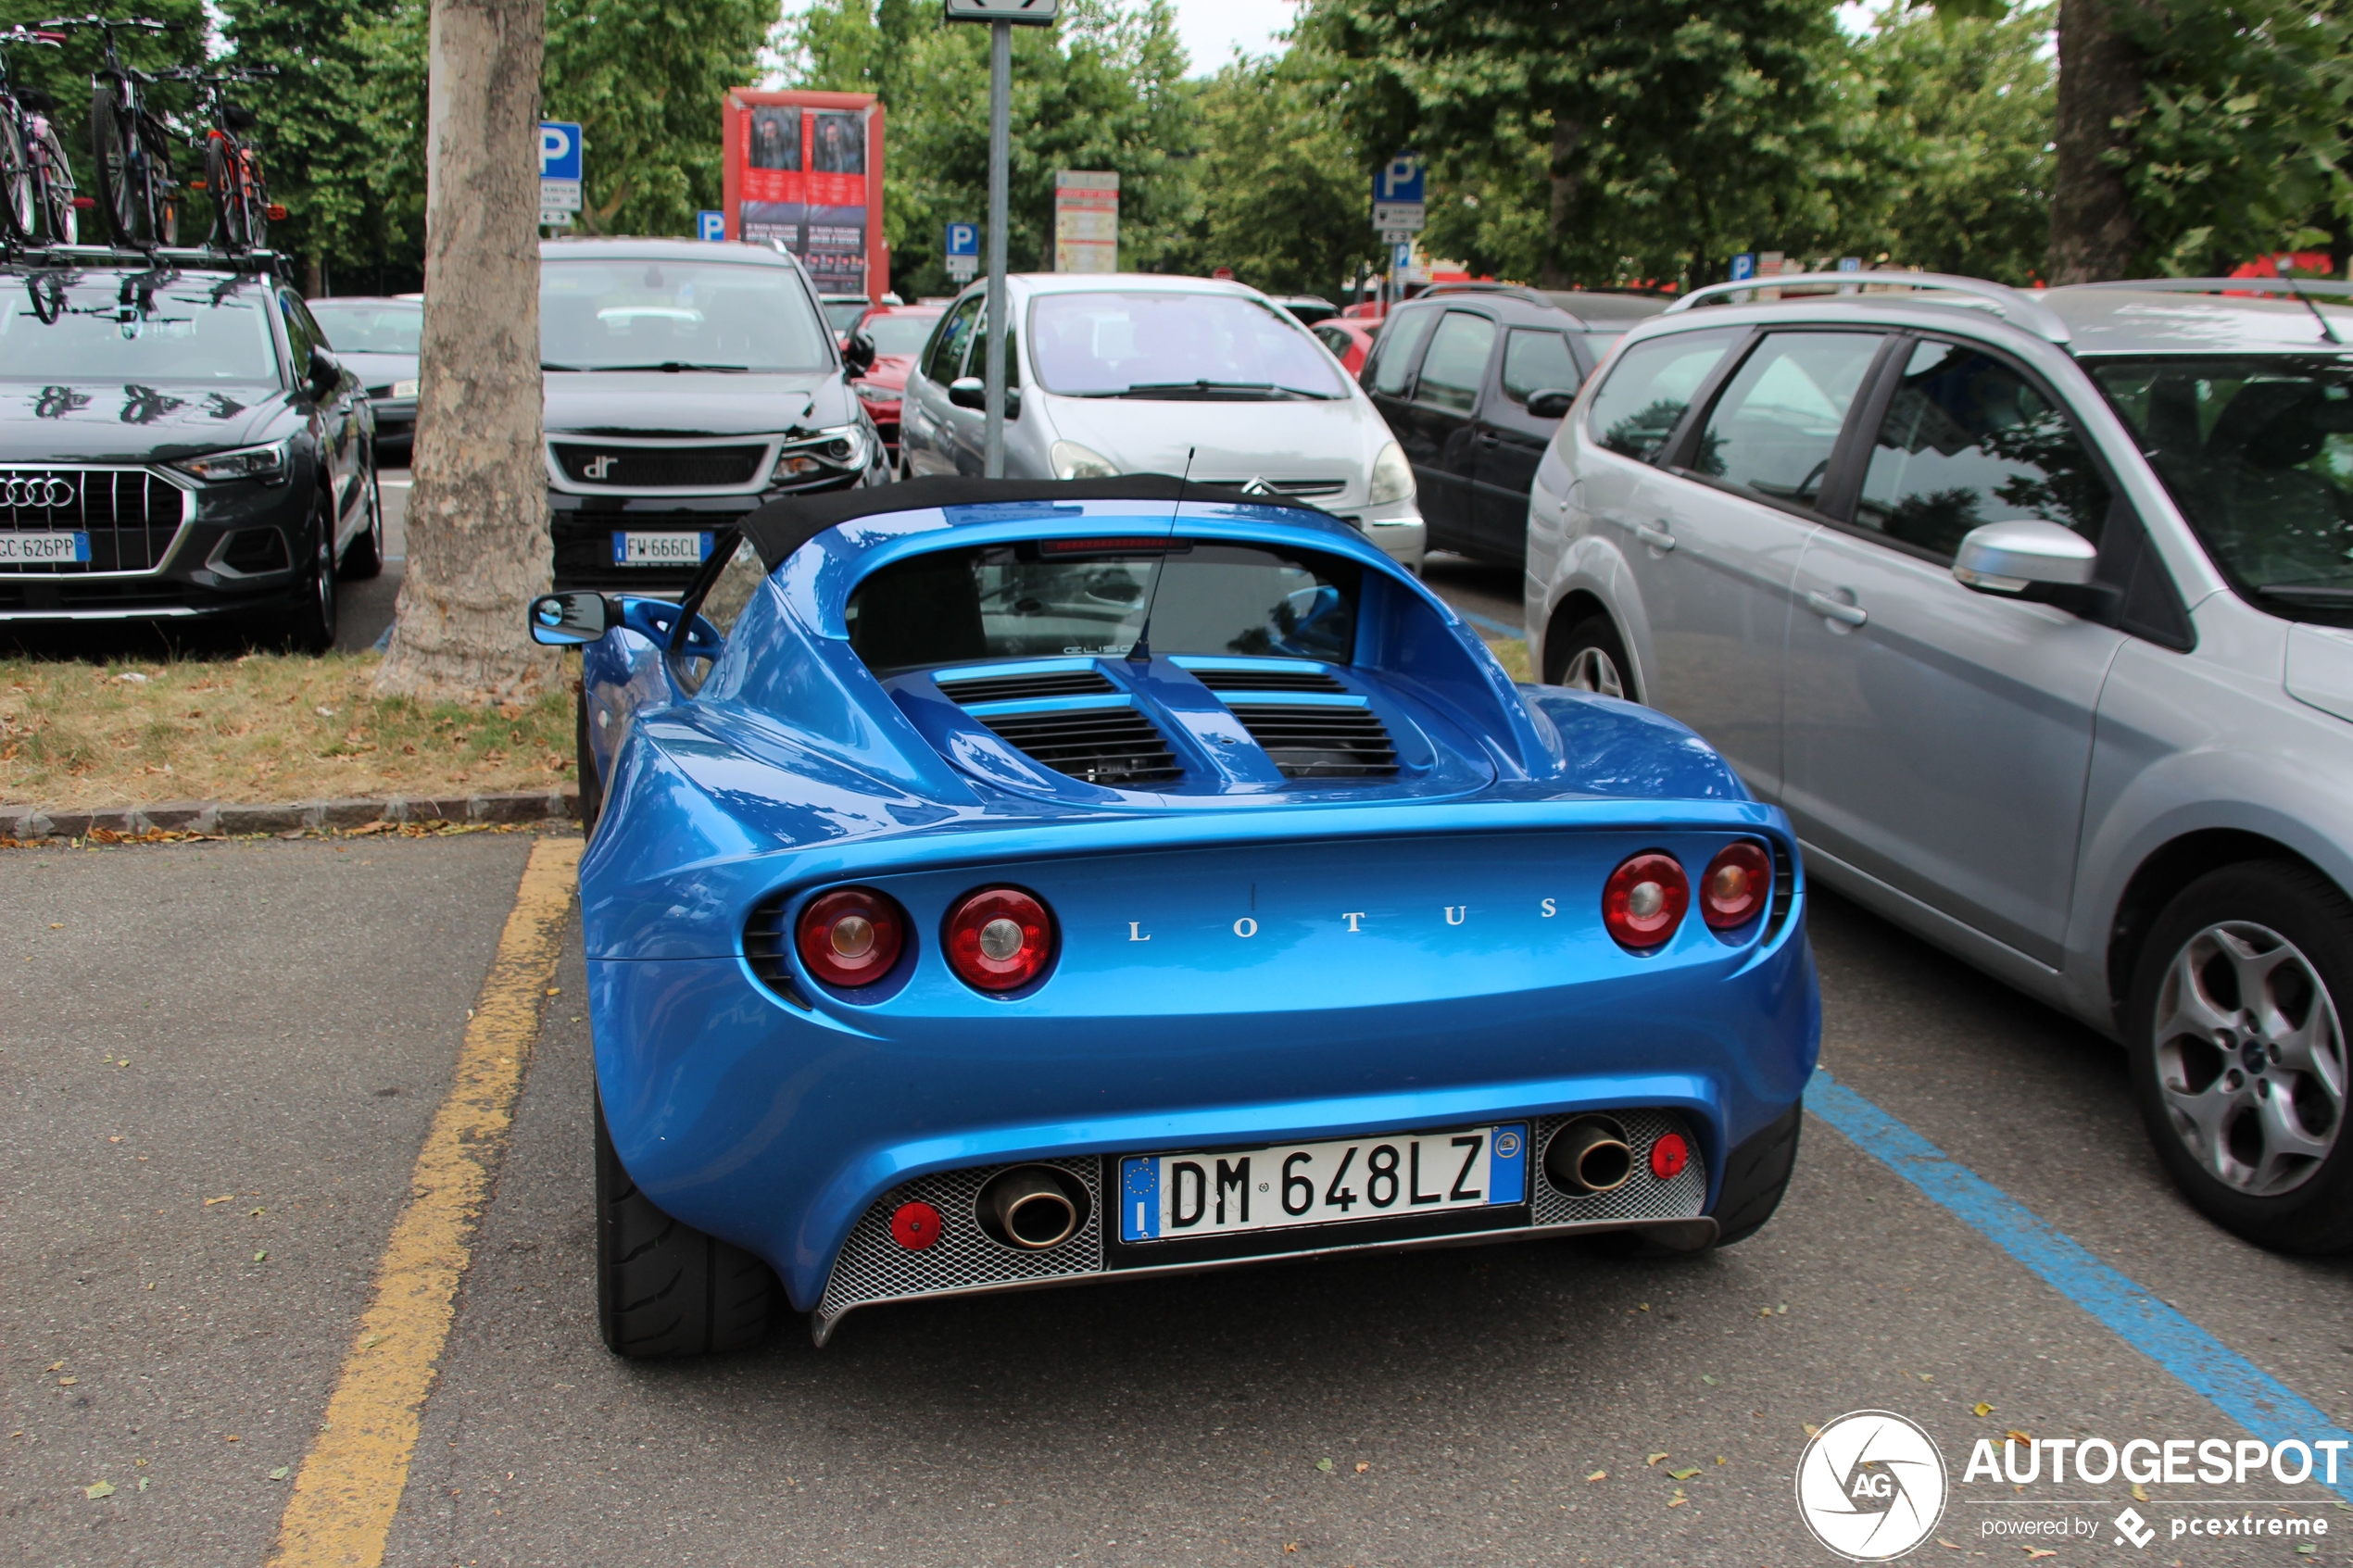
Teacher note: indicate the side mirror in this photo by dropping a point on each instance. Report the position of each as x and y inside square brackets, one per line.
[971, 392]
[1551, 403]
[568, 620]
[2006, 558]
[858, 354]
[325, 373]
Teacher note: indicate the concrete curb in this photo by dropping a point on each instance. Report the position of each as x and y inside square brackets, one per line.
[212, 817]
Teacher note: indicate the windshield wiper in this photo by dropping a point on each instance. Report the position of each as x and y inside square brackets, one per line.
[2307, 593]
[675, 366]
[1240, 390]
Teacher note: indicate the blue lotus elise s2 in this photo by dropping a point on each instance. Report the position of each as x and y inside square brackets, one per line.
[1036, 882]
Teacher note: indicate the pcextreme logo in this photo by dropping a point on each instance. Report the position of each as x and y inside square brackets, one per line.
[1870, 1486]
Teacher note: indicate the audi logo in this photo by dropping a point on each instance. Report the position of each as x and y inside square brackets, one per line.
[18, 490]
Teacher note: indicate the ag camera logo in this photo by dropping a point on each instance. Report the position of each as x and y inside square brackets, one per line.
[1871, 1486]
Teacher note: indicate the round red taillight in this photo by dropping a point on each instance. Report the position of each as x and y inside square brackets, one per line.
[851, 937]
[1645, 899]
[1738, 884]
[914, 1225]
[1000, 939]
[1668, 1155]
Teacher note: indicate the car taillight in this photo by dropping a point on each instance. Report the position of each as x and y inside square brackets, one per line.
[1738, 883]
[1645, 899]
[851, 937]
[1000, 939]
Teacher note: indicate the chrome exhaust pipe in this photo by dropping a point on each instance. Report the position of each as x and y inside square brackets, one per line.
[1589, 1155]
[1032, 1206]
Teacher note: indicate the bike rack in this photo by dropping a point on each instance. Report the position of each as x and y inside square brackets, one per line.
[185, 259]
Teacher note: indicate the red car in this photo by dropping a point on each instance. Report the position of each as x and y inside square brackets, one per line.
[899, 332]
[1349, 338]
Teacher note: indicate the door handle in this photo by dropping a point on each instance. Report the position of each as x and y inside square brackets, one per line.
[1839, 610]
[1657, 538]
[1488, 438]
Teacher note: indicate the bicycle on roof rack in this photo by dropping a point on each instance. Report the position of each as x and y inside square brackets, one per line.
[130, 144]
[241, 204]
[36, 182]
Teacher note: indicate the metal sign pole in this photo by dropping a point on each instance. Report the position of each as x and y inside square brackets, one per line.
[1001, 115]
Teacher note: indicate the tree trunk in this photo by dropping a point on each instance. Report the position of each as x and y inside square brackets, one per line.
[2094, 233]
[478, 544]
[1567, 185]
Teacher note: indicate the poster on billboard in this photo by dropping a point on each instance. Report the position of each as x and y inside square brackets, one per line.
[1086, 221]
[804, 171]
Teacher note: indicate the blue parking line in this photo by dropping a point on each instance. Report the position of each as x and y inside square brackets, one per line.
[1489, 623]
[2246, 1393]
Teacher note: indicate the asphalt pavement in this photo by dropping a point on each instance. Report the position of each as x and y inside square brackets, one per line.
[269, 1026]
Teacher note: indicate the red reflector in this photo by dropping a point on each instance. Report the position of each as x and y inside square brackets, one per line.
[1668, 1155]
[277, 213]
[1738, 883]
[1645, 899]
[1000, 939]
[914, 1225]
[85, 204]
[851, 937]
[1111, 547]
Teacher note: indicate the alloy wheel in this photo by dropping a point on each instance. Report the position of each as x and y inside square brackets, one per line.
[2250, 1058]
[1592, 670]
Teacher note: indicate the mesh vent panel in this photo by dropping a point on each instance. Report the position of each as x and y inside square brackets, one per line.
[1643, 1197]
[874, 1268]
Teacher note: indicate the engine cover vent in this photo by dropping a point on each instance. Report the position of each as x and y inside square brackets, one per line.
[1307, 679]
[1113, 747]
[1319, 741]
[768, 948]
[970, 689]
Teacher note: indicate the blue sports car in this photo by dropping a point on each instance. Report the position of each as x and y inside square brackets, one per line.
[1035, 883]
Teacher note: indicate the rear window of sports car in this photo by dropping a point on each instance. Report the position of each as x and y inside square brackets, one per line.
[1062, 597]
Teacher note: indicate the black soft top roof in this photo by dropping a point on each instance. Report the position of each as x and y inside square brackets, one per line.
[779, 528]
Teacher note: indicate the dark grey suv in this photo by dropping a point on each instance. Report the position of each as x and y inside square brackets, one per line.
[1457, 372]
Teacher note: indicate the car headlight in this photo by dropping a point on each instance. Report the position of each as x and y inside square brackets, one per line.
[1392, 477]
[245, 462]
[404, 389]
[836, 448]
[869, 394]
[1073, 461]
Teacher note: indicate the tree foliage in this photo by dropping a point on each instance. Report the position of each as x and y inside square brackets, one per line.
[1282, 190]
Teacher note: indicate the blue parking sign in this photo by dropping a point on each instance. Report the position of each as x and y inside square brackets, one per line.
[1399, 179]
[1743, 266]
[709, 225]
[964, 239]
[559, 149]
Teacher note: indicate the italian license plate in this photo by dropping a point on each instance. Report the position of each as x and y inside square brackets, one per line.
[661, 549]
[43, 549]
[1166, 1197]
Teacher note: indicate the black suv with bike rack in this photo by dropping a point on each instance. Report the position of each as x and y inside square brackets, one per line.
[177, 440]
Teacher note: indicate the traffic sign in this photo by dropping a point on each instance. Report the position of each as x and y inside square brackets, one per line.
[1404, 218]
[964, 239]
[1399, 179]
[559, 150]
[709, 225]
[554, 217]
[1021, 13]
[1401, 257]
[559, 196]
[1850, 264]
[1743, 266]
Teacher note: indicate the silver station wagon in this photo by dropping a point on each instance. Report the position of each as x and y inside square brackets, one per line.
[2035, 612]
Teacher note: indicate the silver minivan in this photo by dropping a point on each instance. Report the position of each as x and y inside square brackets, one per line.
[2035, 612]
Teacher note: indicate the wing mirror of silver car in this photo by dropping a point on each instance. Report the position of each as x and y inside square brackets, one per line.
[971, 392]
[1549, 403]
[570, 620]
[2008, 558]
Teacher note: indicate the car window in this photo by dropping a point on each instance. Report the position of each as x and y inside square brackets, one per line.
[300, 338]
[1392, 364]
[1651, 386]
[616, 314]
[898, 333]
[59, 328]
[1003, 601]
[943, 362]
[1536, 360]
[1966, 441]
[1772, 431]
[1456, 363]
[976, 361]
[1162, 344]
[1335, 340]
[369, 329]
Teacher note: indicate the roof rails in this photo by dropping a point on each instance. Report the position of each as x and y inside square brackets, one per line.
[2336, 287]
[183, 258]
[2014, 305]
[1517, 291]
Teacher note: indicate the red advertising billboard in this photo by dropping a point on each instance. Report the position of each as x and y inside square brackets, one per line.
[806, 168]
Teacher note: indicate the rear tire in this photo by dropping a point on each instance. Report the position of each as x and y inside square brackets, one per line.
[18, 195]
[64, 222]
[228, 193]
[664, 1289]
[1591, 656]
[2236, 1028]
[363, 558]
[122, 203]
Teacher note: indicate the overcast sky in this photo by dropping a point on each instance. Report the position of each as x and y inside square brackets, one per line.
[1212, 30]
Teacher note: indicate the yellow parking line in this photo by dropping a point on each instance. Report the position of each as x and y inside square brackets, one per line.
[351, 1480]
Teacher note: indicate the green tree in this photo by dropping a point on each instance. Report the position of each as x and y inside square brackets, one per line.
[1282, 186]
